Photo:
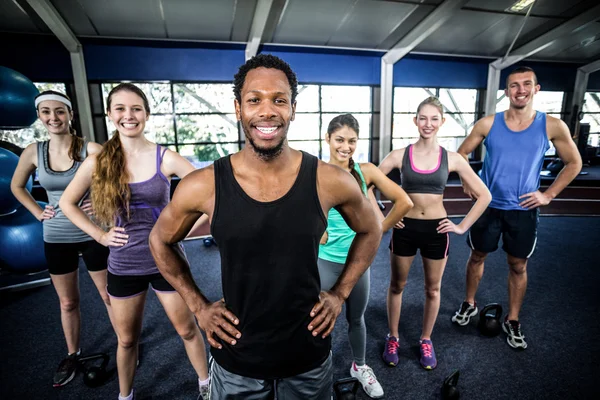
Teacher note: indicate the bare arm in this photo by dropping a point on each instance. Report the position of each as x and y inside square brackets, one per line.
[480, 191]
[193, 197]
[175, 164]
[392, 161]
[568, 153]
[27, 164]
[402, 203]
[476, 137]
[338, 189]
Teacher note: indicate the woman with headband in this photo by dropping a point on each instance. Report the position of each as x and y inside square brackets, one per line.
[57, 160]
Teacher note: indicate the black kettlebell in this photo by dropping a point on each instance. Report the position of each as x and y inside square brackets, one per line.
[345, 389]
[449, 389]
[95, 376]
[489, 320]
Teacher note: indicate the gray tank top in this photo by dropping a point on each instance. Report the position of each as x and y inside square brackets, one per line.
[58, 229]
[431, 181]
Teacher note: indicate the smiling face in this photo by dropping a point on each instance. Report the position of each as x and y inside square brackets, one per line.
[520, 89]
[266, 110]
[55, 116]
[342, 144]
[428, 121]
[128, 113]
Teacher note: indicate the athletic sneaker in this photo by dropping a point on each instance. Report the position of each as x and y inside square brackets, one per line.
[367, 379]
[204, 392]
[390, 353]
[515, 338]
[66, 370]
[428, 360]
[464, 314]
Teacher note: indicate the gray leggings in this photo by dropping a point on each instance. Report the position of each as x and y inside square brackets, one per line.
[356, 305]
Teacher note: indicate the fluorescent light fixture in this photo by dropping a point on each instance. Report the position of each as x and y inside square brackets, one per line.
[520, 5]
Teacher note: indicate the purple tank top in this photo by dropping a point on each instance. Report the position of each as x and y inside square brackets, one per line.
[148, 198]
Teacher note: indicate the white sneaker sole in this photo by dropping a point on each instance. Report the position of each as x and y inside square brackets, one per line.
[462, 321]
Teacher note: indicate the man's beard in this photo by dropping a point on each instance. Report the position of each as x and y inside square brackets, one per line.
[265, 153]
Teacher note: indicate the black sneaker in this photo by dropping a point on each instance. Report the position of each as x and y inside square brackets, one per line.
[464, 313]
[515, 338]
[66, 370]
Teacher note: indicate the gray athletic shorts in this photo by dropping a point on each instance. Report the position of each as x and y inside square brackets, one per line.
[314, 385]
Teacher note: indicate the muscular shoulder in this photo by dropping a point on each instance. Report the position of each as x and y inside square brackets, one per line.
[198, 185]
[555, 127]
[334, 184]
[483, 126]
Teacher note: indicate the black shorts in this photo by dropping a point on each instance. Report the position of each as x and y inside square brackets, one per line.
[124, 286]
[63, 258]
[517, 228]
[420, 234]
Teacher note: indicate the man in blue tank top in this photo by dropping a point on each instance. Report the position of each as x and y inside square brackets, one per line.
[267, 205]
[515, 141]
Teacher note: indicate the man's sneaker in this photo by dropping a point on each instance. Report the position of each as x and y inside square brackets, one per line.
[367, 379]
[390, 353]
[515, 338]
[204, 392]
[66, 370]
[464, 314]
[428, 360]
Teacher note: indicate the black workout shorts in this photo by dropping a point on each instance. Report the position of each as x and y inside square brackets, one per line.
[63, 258]
[420, 234]
[517, 228]
[123, 286]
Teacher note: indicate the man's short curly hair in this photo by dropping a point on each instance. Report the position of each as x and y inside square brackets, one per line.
[266, 61]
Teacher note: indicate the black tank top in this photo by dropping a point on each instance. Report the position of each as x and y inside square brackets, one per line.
[269, 274]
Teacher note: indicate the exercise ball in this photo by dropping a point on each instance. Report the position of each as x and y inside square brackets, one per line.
[17, 100]
[22, 241]
[8, 164]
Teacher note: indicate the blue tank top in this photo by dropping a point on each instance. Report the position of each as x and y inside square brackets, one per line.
[148, 198]
[339, 234]
[513, 161]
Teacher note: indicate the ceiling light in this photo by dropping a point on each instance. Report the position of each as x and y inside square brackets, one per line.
[520, 5]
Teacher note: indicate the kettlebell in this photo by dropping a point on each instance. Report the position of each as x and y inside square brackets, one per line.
[345, 389]
[449, 389]
[95, 376]
[208, 241]
[489, 320]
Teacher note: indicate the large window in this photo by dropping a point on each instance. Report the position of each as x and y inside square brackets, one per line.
[591, 115]
[198, 119]
[36, 132]
[459, 111]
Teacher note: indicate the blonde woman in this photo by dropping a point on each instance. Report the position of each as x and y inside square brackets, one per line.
[424, 167]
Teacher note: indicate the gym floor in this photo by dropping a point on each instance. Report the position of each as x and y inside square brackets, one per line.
[559, 317]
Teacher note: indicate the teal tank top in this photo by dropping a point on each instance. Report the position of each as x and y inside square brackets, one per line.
[340, 236]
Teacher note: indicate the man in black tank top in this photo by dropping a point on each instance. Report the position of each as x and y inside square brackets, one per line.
[267, 205]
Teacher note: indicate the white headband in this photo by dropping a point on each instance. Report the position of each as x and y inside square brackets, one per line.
[50, 96]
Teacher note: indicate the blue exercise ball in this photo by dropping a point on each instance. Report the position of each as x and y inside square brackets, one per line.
[17, 100]
[8, 164]
[22, 241]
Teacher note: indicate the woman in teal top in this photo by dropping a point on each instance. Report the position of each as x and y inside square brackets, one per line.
[342, 137]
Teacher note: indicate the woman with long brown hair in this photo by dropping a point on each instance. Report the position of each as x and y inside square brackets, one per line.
[57, 161]
[130, 182]
[342, 138]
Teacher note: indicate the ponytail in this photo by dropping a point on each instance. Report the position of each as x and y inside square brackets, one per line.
[110, 183]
